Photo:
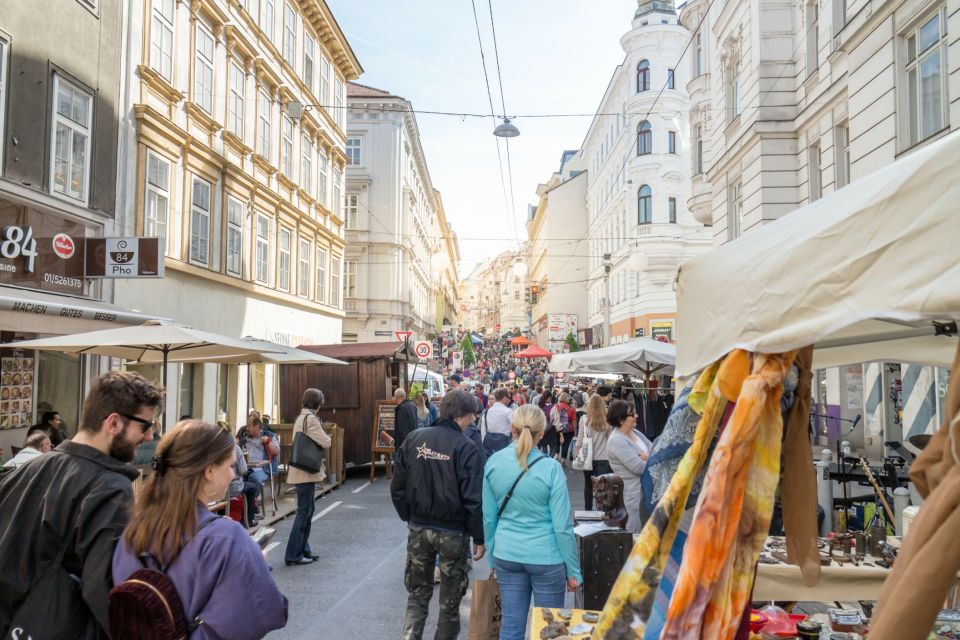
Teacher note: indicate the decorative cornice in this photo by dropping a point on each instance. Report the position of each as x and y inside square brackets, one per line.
[213, 12]
[266, 75]
[285, 181]
[236, 144]
[237, 43]
[263, 164]
[730, 49]
[202, 117]
[149, 117]
[159, 84]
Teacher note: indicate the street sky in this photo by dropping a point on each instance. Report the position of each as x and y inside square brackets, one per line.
[556, 56]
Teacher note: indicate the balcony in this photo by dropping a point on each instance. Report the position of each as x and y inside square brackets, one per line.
[700, 200]
[699, 89]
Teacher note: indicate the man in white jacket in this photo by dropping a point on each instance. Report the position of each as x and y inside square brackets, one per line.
[37, 444]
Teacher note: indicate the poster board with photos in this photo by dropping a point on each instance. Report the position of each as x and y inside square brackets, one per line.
[18, 379]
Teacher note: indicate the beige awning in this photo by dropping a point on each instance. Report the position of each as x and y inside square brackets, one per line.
[34, 311]
[864, 274]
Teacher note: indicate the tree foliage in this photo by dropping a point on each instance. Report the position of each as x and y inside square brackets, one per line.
[466, 346]
[572, 341]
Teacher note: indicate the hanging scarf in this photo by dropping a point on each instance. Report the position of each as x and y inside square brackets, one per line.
[733, 514]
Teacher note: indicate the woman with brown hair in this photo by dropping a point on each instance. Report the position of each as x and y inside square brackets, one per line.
[594, 425]
[213, 562]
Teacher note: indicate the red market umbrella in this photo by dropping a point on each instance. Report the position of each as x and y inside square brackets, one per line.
[533, 351]
[519, 341]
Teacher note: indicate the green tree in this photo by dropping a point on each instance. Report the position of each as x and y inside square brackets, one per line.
[572, 341]
[466, 345]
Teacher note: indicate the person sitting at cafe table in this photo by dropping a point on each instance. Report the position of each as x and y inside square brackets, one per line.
[36, 444]
[260, 445]
[50, 424]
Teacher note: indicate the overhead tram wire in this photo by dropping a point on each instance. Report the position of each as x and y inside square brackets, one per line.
[503, 104]
[493, 116]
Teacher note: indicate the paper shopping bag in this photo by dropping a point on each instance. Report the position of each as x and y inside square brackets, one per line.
[485, 611]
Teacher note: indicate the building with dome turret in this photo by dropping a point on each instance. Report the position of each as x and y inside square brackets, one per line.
[637, 158]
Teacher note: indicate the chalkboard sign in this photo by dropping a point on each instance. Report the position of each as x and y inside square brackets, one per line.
[383, 425]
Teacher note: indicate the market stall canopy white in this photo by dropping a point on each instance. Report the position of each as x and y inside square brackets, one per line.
[152, 341]
[641, 356]
[272, 353]
[870, 272]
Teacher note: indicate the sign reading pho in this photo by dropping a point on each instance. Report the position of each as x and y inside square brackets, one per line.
[124, 258]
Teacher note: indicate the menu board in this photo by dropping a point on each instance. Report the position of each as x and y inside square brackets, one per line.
[383, 424]
[18, 374]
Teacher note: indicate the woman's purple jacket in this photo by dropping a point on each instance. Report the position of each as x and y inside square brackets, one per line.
[223, 579]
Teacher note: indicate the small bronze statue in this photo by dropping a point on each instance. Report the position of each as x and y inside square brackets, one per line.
[608, 497]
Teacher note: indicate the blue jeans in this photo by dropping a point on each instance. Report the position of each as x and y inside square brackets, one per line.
[298, 545]
[259, 476]
[546, 582]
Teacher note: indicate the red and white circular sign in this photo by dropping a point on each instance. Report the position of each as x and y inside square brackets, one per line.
[423, 349]
[64, 246]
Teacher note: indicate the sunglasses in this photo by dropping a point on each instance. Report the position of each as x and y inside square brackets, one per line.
[145, 425]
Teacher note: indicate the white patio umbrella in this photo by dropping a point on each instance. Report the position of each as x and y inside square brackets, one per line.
[644, 356]
[151, 342]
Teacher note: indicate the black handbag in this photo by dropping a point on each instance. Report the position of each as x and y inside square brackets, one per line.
[307, 455]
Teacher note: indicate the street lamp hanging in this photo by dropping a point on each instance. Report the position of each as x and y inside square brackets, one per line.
[506, 130]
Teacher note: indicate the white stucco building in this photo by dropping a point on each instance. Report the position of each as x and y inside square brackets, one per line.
[557, 255]
[637, 156]
[797, 99]
[401, 256]
[219, 158]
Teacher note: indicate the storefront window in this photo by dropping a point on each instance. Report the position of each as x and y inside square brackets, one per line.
[58, 388]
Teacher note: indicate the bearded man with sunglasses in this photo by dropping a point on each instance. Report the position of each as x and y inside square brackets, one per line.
[65, 511]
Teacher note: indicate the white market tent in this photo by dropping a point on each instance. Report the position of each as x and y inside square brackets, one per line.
[868, 273]
[644, 356]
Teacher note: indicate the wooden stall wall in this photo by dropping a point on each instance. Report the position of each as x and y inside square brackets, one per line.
[351, 393]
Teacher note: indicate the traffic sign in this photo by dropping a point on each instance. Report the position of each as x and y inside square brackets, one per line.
[423, 349]
[402, 336]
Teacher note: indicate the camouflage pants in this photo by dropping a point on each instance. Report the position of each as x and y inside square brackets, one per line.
[423, 546]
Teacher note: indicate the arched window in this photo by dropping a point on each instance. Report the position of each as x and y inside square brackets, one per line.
[643, 76]
[644, 205]
[644, 139]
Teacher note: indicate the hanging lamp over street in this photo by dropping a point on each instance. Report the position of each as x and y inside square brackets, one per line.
[506, 130]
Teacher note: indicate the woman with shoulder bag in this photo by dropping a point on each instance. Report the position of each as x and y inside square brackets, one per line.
[527, 525]
[628, 450]
[594, 425]
[298, 545]
[212, 562]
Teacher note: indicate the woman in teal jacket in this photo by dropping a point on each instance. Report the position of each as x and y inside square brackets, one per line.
[530, 544]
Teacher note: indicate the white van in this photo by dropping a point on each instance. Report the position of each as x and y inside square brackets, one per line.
[432, 381]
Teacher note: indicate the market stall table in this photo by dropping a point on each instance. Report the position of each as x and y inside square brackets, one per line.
[538, 624]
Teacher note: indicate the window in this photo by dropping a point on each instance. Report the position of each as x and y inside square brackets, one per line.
[235, 102]
[351, 207]
[283, 270]
[309, 53]
[839, 16]
[306, 165]
[698, 55]
[266, 21]
[337, 190]
[516, 295]
[672, 209]
[926, 72]
[671, 141]
[264, 117]
[70, 152]
[321, 278]
[671, 80]
[644, 139]
[339, 116]
[324, 82]
[157, 201]
[234, 237]
[732, 91]
[350, 278]
[841, 149]
[161, 38]
[200, 222]
[322, 180]
[3, 92]
[290, 35]
[286, 146]
[644, 205]
[303, 271]
[262, 257]
[353, 150]
[643, 76]
[734, 210]
[697, 149]
[813, 43]
[814, 188]
[335, 281]
[203, 69]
